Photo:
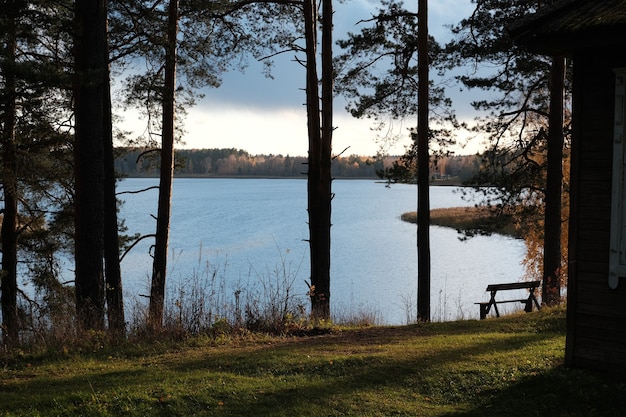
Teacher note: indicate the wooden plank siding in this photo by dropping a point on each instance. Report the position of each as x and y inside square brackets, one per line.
[596, 314]
[592, 33]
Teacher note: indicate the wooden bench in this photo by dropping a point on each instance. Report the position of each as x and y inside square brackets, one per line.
[531, 286]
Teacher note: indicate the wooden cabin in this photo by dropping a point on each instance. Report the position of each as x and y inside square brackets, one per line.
[593, 35]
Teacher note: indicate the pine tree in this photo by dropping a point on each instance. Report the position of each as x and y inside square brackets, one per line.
[397, 45]
[8, 113]
[90, 91]
[524, 124]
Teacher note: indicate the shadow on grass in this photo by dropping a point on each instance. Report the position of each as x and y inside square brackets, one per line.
[460, 369]
[319, 376]
[558, 392]
[345, 377]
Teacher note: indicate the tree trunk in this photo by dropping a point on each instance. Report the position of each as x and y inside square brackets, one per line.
[9, 233]
[318, 185]
[113, 273]
[551, 290]
[91, 71]
[423, 195]
[325, 194]
[159, 267]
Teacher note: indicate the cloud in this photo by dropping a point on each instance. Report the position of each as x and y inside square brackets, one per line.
[262, 115]
[274, 130]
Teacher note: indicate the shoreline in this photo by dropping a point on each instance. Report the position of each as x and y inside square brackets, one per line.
[436, 183]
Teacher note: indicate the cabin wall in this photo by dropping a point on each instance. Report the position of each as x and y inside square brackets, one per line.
[596, 335]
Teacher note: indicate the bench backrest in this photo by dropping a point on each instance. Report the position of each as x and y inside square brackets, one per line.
[514, 286]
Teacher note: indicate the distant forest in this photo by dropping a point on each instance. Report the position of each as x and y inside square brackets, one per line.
[239, 163]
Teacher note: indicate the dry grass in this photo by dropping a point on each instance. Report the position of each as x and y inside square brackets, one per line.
[470, 220]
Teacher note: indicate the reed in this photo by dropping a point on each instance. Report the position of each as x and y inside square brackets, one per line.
[469, 220]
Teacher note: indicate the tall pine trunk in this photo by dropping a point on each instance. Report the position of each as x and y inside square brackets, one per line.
[9, 232]
[112, 271]
[320, 150]
[551, 289]
[316, 292]
[325, 195]
[159, 267]
[423, 193]
[91, 71]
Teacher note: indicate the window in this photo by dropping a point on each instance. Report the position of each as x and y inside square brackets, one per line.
[617, 259]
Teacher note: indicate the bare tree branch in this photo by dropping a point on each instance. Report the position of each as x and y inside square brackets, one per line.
[135, 244]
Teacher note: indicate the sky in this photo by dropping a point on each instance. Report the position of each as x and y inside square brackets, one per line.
[267, 116]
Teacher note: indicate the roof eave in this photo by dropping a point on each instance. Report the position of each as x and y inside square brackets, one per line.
[567, 43]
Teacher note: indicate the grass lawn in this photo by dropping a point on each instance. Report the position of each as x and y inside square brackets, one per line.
[510, 366]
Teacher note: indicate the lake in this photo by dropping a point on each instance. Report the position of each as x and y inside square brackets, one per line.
[251, 231]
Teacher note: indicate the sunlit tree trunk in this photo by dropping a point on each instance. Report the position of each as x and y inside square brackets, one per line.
[9, 232]
[551, 289]
[423, 195]
[159, 268]
[91, 72]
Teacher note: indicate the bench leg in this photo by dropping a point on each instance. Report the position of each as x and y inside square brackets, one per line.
[495, 307]
[534, 300]
[492, 301]
[528, 308]
[484, 310]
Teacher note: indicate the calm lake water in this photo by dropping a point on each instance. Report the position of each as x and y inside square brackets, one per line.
[247, 229]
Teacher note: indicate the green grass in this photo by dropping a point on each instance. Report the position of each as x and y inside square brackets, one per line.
[510, 366]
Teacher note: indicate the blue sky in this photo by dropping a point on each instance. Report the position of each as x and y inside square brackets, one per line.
[263, 116]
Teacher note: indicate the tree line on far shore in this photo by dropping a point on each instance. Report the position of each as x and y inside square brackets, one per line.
[233, 162]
